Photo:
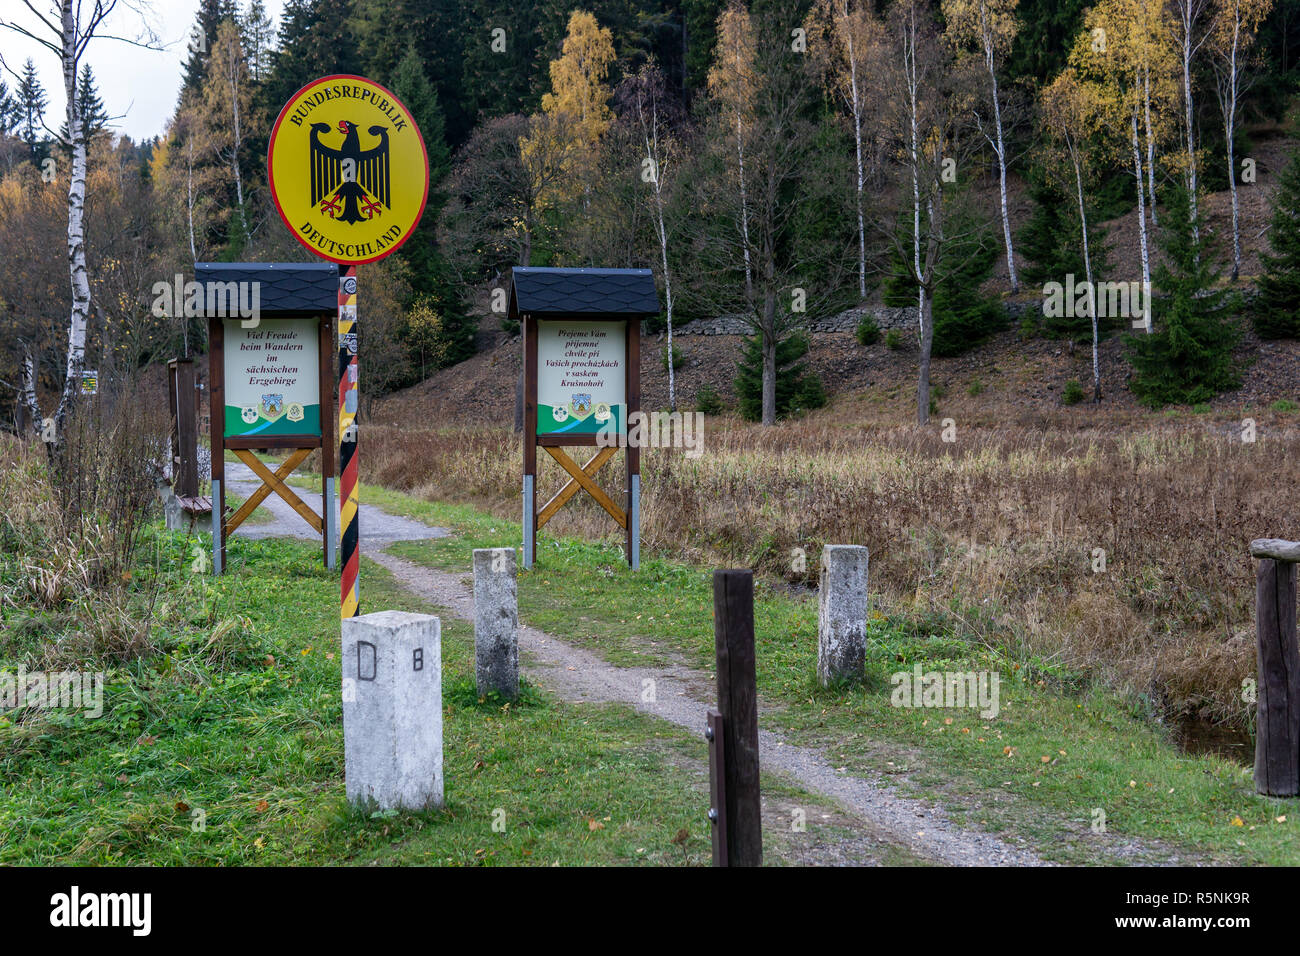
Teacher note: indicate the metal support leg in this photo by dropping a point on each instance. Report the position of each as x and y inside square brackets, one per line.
[216, 527]
[530, 516]
[331, 527]
[634, 522]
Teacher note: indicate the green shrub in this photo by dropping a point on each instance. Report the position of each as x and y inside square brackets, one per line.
[707, 400]
[1073, 393]
[975, 388]
[1284, 405]
[678, 358]
[894, 339]
[867, 332]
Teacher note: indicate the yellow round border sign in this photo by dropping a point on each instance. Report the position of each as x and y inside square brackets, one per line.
[348, 169]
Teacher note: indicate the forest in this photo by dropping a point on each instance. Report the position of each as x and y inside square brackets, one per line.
[772, 161]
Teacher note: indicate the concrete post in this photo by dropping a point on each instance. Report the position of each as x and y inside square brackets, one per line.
[496, 622]
[842, 614]
[392, 710]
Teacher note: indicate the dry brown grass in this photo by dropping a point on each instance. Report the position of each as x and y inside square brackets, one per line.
[998, 528]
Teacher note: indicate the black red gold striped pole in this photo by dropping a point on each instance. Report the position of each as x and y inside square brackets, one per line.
[349, 532]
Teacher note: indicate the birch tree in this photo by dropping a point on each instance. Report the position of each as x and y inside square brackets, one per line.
[227, 104]
[1069, 110]
[645, 93]
[1151, 46]
[65, 29]
[1108, 54]
[1190, 34]
[990, 25]
[733, 83]
[784, 262]
[933, 94]
[1235, 26]
[848, 49]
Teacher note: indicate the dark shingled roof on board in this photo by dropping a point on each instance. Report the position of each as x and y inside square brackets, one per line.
[592, 292]
[287, 288]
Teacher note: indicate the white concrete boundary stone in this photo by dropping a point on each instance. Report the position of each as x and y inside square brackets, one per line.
[842, 614]
[496, 622]
[392, 710]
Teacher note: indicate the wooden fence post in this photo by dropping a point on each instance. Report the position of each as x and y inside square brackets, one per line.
[1277, 705]
[185, 433]
[738, 812]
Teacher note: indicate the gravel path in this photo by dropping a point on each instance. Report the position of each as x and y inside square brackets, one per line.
[378, 528]
[680, 695]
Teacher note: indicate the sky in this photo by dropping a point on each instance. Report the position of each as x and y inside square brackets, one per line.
[139, 87]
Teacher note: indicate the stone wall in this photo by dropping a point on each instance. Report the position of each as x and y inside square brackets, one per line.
[887, 317]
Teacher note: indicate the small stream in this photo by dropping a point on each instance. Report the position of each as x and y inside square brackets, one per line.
[1196, 736]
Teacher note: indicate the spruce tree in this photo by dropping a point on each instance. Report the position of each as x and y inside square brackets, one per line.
[1050, 246]
[1276, 310]
[796, 387]
[90, 107]
[963, 317]
[212, 13]
[1187, 359]
[31, 101]
[8, 111]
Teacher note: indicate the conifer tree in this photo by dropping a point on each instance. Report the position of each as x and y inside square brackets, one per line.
[796, 387]
[31, 102]
[1187, 358]
[1276, 310]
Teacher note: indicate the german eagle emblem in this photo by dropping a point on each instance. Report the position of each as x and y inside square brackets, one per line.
[350, 184]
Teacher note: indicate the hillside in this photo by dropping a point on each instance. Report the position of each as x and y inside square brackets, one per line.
[1013, 378]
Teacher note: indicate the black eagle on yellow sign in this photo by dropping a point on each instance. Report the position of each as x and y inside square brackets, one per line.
[350, 184]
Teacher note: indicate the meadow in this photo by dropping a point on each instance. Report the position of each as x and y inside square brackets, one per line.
[1116, 550]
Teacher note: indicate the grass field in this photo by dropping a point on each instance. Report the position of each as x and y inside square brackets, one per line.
[1063, 747]
[1118, 549]
[229, 750]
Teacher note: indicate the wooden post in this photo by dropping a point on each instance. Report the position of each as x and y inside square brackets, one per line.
[530, 440]
[1277, 705]
[633, 387]
[328, 439]
[217, 437]
[185, 428]
[733, 638]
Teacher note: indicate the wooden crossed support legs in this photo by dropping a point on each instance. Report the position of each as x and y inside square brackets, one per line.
[581, 477]
[273, 482]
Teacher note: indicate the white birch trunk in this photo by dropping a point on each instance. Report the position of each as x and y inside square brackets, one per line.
[744, 212]
[78, 277]
[652, 148]
[986, 32]
[1229, 127]
[1087, 268]
[857, 145]
[1186, 9]
[1151, 142]
[1142, 219]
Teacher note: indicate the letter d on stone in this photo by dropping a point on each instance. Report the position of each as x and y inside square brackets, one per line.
[392, 725]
